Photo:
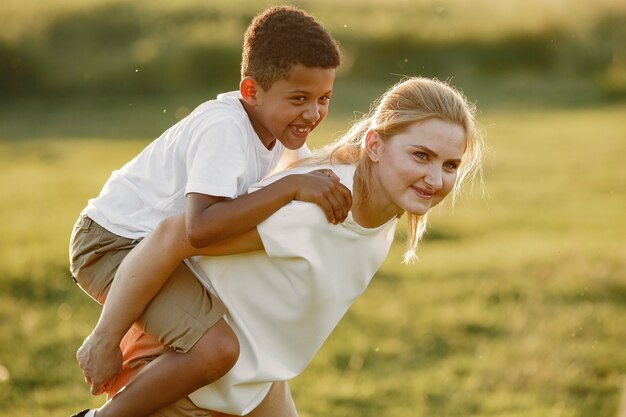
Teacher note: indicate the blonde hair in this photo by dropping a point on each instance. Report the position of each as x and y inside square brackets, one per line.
[409, 101]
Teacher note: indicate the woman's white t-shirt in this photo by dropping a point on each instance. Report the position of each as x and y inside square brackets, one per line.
[284, 302]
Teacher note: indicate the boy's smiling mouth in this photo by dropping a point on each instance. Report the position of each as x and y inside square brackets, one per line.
[301, 129]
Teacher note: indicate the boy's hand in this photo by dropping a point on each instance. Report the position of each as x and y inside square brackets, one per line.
[323, 188]
[100, 363]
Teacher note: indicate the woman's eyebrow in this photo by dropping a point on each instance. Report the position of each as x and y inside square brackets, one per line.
[433, 153]
[425, 149]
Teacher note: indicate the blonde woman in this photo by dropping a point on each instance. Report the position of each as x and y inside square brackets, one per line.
[288, 282]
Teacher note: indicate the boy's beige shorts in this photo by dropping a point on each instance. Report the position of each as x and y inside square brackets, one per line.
[180, 313]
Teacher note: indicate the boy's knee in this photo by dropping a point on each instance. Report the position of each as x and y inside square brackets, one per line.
[227, 350]
[217, 350]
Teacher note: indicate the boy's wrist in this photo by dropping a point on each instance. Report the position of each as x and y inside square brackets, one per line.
[105, 338]
[291, 184]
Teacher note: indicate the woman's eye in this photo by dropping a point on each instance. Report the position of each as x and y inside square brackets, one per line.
[421, 155]
[451, 166]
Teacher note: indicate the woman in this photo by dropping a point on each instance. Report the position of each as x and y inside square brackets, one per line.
[288, 282]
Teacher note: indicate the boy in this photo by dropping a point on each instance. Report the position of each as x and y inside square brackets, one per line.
[203, 165]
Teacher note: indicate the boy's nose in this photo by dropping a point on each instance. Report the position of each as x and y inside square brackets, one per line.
[312, 113]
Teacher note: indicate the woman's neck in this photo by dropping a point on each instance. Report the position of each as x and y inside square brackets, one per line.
[370, 208]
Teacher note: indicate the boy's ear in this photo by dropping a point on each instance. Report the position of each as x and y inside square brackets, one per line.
[373, 145]
[249, 90]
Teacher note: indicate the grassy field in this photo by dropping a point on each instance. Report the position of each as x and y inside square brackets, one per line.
[516, 307]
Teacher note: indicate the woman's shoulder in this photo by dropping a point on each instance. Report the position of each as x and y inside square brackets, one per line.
[345, 172]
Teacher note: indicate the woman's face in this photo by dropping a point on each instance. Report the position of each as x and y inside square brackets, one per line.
[415, 170]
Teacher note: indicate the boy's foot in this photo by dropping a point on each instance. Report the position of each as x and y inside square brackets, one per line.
[85, 413]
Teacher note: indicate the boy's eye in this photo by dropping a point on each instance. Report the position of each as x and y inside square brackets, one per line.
[325, 98]
[299, 99]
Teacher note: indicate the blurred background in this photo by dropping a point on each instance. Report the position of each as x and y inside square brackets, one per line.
[517, 304]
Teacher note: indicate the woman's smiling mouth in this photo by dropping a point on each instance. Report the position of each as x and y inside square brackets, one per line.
[422, 192]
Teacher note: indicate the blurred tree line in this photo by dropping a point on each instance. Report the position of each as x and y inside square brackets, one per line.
[115, 48]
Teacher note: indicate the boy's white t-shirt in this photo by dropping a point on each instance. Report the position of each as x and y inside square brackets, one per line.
[284, 302]
[214, 151]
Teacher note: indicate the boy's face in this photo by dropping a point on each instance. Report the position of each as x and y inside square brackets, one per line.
[290, 109]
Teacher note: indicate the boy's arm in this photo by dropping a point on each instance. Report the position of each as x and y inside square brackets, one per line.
[211, 219]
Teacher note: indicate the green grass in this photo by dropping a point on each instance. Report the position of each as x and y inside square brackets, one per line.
[517, 304]
[515, 308]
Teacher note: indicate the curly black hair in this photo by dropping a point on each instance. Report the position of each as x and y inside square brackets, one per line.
[280, 38]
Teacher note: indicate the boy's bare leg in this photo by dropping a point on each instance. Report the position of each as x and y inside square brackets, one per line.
[173, 375]
[140, 349]
[277, 403]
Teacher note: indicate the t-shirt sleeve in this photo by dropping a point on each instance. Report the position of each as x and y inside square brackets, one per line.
[296, 230]
[216, 159]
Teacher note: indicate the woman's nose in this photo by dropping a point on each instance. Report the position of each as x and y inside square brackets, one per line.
[434, 178]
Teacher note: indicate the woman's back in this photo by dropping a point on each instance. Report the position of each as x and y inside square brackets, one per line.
[283, 303]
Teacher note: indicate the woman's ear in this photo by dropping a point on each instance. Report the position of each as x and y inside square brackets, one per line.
[249, 90]
[373, 145]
